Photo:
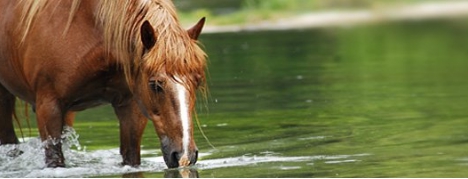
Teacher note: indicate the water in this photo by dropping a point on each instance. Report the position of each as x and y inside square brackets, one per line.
[381, 100]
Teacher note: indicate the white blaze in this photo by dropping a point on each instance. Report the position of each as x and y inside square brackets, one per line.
[184, 114]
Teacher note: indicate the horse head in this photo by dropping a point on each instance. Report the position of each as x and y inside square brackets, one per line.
[170, 78]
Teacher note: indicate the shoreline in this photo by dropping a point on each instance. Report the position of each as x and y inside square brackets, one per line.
[420, 11]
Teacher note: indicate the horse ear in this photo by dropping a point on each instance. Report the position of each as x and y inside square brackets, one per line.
[147, 35]
[195, 31]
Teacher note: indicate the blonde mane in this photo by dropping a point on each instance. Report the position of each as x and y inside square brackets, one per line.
[30, 8]
[174, 53]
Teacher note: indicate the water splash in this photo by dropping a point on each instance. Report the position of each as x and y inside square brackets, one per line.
[27, 159]
[70, 139]
[32, 156]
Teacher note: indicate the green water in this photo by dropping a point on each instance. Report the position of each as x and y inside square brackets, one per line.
[392, 97]
[397, 91]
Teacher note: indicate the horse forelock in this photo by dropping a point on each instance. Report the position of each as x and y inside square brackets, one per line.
[174, 53]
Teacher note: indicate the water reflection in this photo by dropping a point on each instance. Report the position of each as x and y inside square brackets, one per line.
[133, 175]
[181, 173]
[168, 173]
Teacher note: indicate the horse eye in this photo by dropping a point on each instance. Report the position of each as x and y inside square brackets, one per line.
[156, 86]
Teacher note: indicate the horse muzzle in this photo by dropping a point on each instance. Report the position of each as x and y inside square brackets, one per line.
[175, 156]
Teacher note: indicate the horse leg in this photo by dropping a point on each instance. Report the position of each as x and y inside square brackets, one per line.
[70, 118]
[50, 123]
[132, 125]
[7, 107]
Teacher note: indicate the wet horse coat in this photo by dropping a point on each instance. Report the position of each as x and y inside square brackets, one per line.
[67, 56]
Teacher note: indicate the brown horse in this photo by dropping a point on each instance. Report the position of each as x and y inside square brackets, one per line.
[67, 56]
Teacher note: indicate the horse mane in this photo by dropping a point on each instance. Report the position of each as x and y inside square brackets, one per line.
[174, 53]
[30, 8]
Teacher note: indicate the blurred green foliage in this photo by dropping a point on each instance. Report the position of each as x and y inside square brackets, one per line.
[226, 12]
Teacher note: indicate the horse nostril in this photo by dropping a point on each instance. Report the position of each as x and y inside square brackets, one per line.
[172, 159]
[175, 156]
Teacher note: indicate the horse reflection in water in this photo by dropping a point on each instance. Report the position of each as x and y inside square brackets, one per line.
[66, 56]
[171, 173]
[181, 173]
